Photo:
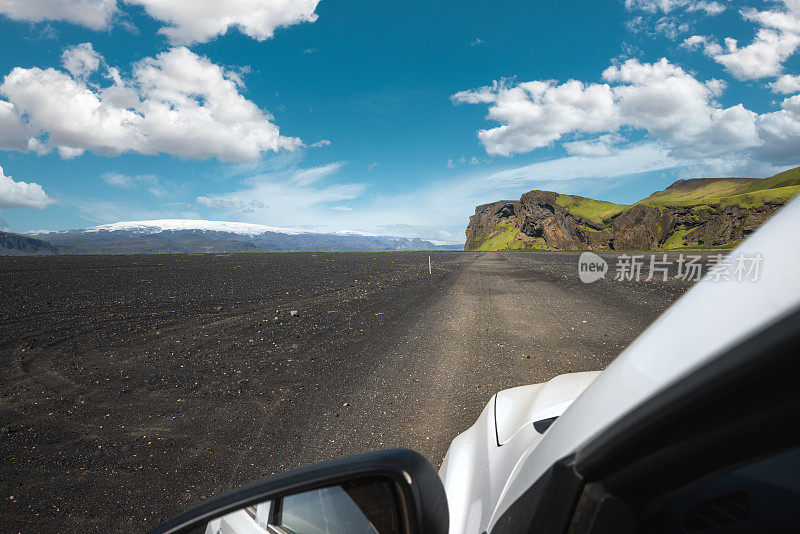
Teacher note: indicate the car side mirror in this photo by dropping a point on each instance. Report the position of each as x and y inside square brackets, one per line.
[386, 492]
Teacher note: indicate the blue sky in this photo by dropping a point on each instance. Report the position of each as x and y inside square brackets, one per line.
[365, 115]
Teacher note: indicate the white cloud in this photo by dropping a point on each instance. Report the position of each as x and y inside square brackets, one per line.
[669, 104]
[102, 210]
[600, 146]
[535, 114]
[787, 20]
[710, 8]
[440, 210]
[80, 60]
[320, 143]
[188, 21]
[67, 152]
[671, 18]
[231, 203]
[315, 174]
[667, 6]
[176, 103]
[635, 159]
[13, 132]
[780, 133]
[786, 84]
[197, 21]
[149, 182]
[293, 193]
[671, 27]
[453, 163]
[763, 58]
[21, 194]
[94, 14]
[777, 38]
[704, 43]
[119, 180]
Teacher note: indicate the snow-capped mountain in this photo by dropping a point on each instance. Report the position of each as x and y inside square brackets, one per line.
[186, 235]
[176, 225]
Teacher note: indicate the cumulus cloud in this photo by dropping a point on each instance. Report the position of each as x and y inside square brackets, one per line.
[776, 39]
[660, 98]
[94, 14]
[231, 203]
[187, 21]
[763, 58]
[176, 103]
[80, 60]
[786, 84]
[13, 132]
[21, 194]
[193, 21]
[535, 114]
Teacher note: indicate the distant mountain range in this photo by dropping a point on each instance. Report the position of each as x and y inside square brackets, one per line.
[698, 213]
[194, 236]
[22, 245]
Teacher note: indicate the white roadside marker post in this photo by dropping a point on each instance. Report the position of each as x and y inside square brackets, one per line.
[429, 265]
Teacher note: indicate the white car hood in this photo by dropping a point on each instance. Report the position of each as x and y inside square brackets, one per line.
[520, 406]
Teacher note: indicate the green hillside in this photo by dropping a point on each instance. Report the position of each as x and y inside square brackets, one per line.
[724, 192]
[785, 179]
[715, 192]
[594, 211]
[504, 238]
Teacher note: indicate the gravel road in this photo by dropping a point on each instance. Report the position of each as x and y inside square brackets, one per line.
[135, 386]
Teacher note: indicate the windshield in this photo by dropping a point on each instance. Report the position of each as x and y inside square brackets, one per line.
[242, 237]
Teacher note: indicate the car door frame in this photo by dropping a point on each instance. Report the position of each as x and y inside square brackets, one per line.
[748, 391]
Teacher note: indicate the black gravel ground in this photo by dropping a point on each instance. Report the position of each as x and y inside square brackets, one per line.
[133, 387]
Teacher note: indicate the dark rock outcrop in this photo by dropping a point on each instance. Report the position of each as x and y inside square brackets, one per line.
[541, 216]
[640, 228]
[486, 219]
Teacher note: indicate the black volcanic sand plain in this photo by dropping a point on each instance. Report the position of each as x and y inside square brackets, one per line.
[136, 386]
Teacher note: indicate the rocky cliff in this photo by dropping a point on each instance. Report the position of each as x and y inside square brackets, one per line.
[699, 213]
